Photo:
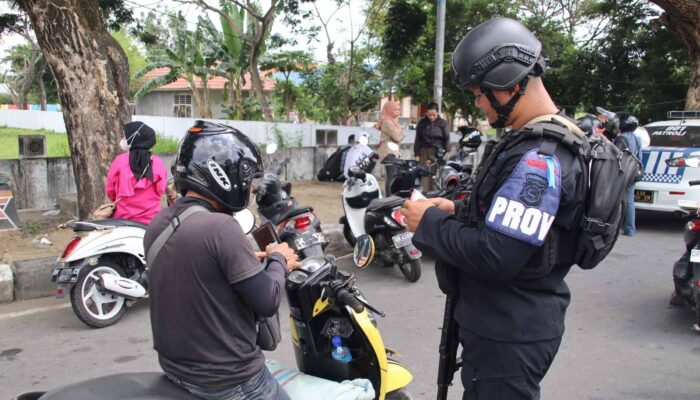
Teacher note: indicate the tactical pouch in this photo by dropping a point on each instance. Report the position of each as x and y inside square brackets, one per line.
[447, 277]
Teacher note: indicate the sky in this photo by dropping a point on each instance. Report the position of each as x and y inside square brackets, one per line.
[339, 28]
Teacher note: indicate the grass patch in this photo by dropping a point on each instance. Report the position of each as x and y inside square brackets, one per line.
[57, 143]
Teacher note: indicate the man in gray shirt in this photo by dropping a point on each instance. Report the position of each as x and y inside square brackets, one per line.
[207, 285]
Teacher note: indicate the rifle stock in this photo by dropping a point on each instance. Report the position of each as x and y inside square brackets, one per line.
[449, 342]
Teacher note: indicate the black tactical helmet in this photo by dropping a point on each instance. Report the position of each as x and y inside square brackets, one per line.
[626, 122]
[589, 124]
[497, 54]
[218, 162]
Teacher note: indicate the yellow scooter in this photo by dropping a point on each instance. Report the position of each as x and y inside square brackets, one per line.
[324, 303]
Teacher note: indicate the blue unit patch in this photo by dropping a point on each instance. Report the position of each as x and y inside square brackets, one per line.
[525, 205]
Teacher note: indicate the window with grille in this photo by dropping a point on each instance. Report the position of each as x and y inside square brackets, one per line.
[183, 105]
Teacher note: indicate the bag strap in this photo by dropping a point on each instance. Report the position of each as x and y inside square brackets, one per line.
[168, 231]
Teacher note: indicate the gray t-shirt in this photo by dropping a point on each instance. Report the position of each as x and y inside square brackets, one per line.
[203, 330]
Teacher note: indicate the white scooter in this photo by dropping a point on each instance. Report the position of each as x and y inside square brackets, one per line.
[103, 268]
[366, 212]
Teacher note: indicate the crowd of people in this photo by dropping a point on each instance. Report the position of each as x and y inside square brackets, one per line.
[208, 284]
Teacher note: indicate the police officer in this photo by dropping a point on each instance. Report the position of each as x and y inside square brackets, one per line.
[511, 246]
[206, 284]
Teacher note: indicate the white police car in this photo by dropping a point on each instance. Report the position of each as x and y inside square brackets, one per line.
[663, 185]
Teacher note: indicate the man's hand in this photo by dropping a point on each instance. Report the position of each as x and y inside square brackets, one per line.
[413, 211]
[289, 254]
[443, 204]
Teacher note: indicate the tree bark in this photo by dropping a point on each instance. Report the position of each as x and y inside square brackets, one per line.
[682, 17]
[92, 75]
[258, 87]
[42, 89]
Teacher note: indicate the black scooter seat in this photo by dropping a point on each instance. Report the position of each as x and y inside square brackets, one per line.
[385, 203]
[130, 386]
[295, 212]
[108, 222]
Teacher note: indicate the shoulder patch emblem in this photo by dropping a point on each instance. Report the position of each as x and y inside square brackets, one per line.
[525, 205]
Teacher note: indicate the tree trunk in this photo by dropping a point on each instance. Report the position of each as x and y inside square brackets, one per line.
[42, 89]
[258, 86]
[682, 17]
[92, 75]
[239, 99]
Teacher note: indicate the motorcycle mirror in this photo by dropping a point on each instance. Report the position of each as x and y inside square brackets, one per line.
[363, 140]
[246, 219]
[271, 148]
[392, 146]
[364, 251]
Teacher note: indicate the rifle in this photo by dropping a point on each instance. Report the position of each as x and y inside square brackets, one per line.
[449, 341]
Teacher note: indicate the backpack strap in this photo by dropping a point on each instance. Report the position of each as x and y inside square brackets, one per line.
[168, 231]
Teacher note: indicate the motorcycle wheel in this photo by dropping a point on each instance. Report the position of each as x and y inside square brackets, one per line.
[411, 269]
[94, 308]
[347, 232]
[400, 394]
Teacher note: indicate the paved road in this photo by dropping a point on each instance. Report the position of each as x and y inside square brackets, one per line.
[622, 340]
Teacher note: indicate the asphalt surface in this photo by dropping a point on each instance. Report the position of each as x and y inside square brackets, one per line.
[622, 341]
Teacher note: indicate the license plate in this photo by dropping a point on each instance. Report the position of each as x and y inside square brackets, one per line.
[65, 275]
[644, 196]
[402, 239]
[308, 239]
[695, 255]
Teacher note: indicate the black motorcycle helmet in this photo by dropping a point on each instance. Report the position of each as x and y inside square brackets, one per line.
[498, 54]
[626, 122]
[218, 162]
[471, 137]
[589, 124]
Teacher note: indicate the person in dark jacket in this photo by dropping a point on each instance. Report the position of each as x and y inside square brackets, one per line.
[506, 252]
[431, 131]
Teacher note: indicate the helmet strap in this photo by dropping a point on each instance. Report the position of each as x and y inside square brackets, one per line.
[504, 110]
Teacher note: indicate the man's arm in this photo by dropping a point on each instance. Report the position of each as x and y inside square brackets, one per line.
[263, 291]
[480, 252]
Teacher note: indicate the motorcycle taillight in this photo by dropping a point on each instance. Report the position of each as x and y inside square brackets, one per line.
[398, 217]
[460, 196]
[693, 225]
[302, 223]
[71, 246]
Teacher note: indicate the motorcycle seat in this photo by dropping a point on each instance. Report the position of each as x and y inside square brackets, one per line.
[129, 386]
[385, 203]
[108, 222]
[295, 212]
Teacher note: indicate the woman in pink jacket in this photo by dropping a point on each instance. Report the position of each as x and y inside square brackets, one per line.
[136, 179]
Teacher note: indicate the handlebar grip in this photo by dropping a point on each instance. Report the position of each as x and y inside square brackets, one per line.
[344, 296]
[693, 183]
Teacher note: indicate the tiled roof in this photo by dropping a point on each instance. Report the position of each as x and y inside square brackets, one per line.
[215, 82]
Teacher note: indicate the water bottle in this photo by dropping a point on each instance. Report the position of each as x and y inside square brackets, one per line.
[340, 352]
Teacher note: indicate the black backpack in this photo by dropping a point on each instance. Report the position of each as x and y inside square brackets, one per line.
[608, 173]
[333, 167]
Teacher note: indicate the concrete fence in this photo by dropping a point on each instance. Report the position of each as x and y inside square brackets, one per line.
[38, 182]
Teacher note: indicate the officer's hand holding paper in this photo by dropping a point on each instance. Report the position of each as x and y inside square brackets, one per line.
[413, 210]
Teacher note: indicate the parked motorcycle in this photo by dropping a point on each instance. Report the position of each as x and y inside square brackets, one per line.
[408, 176]
[103, 268]
[298, 226]
[686, 271]
[325, 308]
[366, 212]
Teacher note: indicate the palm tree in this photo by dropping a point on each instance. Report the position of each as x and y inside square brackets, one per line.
[188, 57]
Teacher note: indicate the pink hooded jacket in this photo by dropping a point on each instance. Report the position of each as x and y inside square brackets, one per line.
[140, 201]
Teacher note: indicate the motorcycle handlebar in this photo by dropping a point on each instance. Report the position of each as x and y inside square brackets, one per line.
[693, 183]
[344, 296]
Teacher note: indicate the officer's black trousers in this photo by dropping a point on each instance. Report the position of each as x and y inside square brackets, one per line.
[504, 370]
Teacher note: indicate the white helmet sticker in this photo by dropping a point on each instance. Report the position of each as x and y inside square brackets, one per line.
[219, 176]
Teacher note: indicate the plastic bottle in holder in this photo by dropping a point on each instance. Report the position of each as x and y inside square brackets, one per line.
[340, 352]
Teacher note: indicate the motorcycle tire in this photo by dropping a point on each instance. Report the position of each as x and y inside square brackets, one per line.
[88, 303]
[399, 394]
[347, 232]
[411, 270]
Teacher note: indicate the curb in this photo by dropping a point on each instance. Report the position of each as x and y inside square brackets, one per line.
[29, 279]
[7, 284]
